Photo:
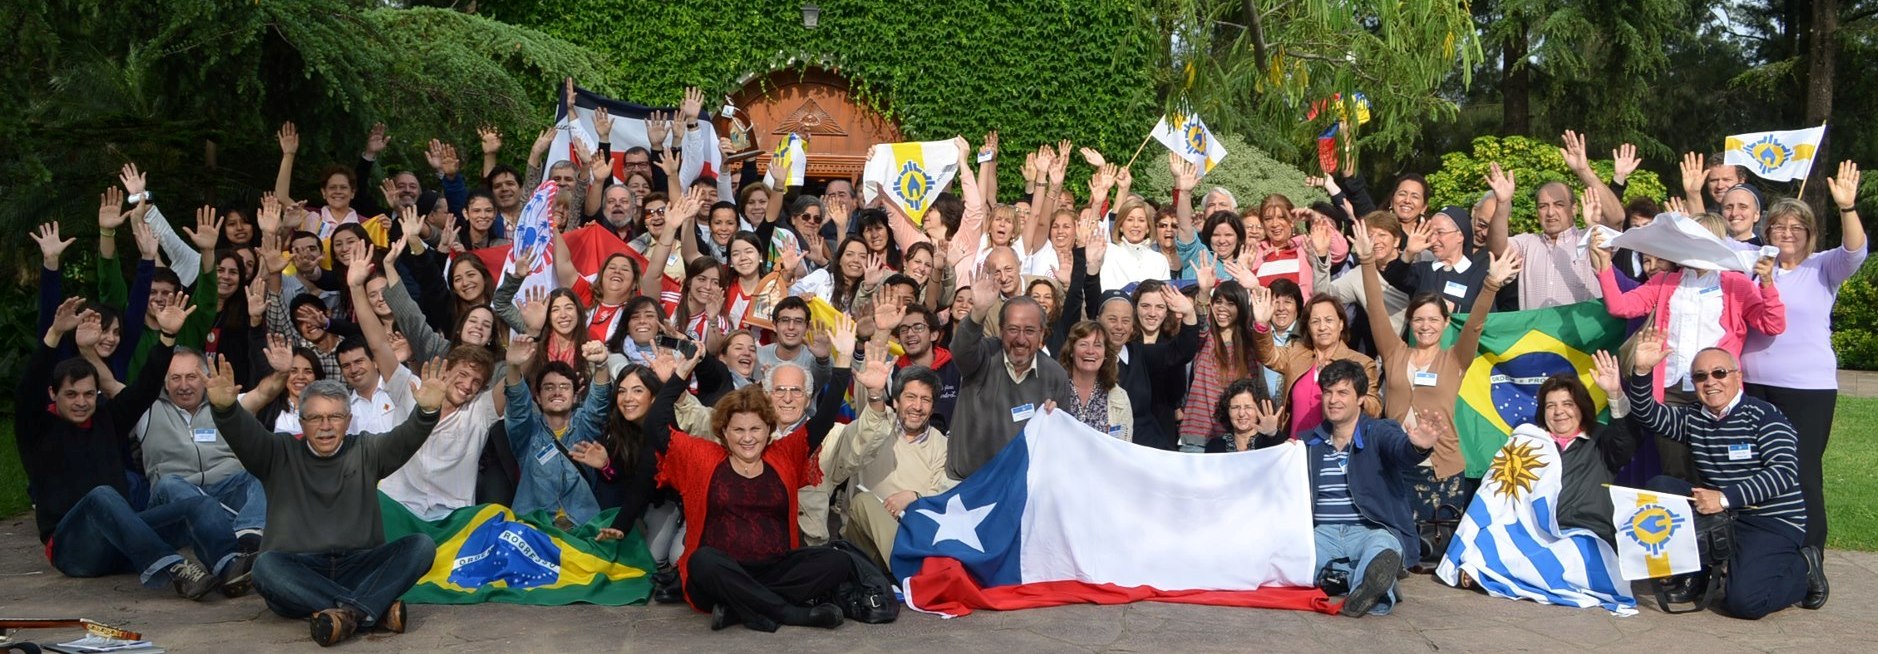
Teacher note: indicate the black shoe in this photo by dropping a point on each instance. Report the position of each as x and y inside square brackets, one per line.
[1816, 587]
[238, 575]
[760, 623]
[1377, 579]
[722, 617]
[191, 581]
[249, 543]
[826, 616]
[1683, 589]
[666, 587]
[332, 626]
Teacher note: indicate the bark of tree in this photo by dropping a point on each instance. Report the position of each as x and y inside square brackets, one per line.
[1515, 86]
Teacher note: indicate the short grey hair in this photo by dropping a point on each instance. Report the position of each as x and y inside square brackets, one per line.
[769, 377]
[1230, 199]
[331, 389]
[185, 351]
[564, 163]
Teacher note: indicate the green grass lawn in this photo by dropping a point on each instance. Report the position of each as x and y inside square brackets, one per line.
[1851, 487]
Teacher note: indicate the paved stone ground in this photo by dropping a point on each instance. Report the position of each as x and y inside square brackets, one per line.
[1432, 618]
[1858, 383]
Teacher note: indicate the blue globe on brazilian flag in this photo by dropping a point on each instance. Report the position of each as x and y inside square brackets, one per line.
[1518, 351]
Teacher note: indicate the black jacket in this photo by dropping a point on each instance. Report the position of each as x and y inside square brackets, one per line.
[64, 461]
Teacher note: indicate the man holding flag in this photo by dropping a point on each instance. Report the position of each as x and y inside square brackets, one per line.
[1747, 451]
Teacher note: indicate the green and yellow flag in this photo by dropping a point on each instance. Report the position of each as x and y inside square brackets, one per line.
[486, 553]
[1518, 350]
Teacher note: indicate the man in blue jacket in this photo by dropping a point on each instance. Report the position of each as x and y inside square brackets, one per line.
[1360, 469]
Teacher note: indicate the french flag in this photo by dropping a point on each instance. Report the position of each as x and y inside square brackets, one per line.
[1067, 515]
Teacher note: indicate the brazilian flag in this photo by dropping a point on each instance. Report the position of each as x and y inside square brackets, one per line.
[486, 553]
[1518, 350]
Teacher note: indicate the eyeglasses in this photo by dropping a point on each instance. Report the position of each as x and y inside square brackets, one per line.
[789, 391]
[1719, 374]
[913, 328]
[812, 217]
[326, 419]
[1786, 229]
[659, 211]
[552, 388]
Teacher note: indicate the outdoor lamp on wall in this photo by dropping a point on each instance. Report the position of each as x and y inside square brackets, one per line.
[811, 15]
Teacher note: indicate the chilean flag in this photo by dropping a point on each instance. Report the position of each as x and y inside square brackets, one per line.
[1067, 515]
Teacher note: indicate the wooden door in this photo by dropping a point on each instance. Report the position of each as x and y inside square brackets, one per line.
[817, 104]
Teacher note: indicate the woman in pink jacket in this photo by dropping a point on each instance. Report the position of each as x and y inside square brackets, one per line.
[1697, 309]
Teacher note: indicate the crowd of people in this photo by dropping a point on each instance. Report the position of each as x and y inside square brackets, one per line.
[266, 369]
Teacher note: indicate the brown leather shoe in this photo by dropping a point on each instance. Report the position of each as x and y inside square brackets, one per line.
[393, 619]
[332, 626]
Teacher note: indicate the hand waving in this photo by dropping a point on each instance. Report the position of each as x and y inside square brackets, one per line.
[436, 380]
[223, 391]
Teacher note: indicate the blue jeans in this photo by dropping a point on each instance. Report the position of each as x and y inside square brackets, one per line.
[367, 581]
[240, 494]
[1350, 548]
[102, 535]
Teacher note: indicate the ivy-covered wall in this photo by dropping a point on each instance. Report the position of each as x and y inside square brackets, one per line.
[1034, 70]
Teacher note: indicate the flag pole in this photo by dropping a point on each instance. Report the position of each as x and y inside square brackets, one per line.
[1645, 490]
[1139, 148]
[1809, 167]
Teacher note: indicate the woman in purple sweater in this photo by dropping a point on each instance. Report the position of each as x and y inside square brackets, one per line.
[1786, 369]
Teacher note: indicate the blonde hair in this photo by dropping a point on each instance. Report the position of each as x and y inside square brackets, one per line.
[1121, 216]
[1713, 223]
[1800, 213]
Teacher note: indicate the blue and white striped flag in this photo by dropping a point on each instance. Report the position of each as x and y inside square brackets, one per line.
[1510, 542]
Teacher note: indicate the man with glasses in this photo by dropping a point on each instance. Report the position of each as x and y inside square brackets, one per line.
[1004, 382]
[324, 556]
[1747, 455]
[791, 317]
[1454, 273]
[915, 333]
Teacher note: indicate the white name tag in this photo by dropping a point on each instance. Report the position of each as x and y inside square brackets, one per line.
[546, 453]
[1023, 412]
[205, 435]
[1456, 289]
[1425, 378]
[1740, 452]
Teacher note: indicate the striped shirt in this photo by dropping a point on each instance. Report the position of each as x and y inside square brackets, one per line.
[1333, 505]
[1750, 454]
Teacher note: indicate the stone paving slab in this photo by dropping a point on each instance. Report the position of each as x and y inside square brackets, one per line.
[1858, 383]
[1431, 618]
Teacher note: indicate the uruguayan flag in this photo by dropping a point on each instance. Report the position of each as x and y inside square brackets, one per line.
[1655, 533]
[1510, 542]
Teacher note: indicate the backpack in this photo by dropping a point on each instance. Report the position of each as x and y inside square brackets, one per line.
[867, 595]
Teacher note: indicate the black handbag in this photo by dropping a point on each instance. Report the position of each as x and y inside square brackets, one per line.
[867, 595]
[1714, 541]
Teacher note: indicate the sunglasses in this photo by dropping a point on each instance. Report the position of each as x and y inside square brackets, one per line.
[1700, 376]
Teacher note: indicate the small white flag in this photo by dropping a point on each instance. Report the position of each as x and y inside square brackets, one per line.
[1779, 156]
[1655, 534]
[1188, 137]
[910, 174]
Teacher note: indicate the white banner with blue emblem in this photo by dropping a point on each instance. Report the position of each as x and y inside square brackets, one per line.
[911, 175]
[1186, 135]
[1779, 156]
[1655, 533]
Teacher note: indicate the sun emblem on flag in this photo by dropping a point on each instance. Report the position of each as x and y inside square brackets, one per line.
[912, 185]
[1768, 153]
[1195, 136]
[1651, 526]
[1515, 468]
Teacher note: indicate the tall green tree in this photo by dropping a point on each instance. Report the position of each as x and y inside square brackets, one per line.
[1593, 65]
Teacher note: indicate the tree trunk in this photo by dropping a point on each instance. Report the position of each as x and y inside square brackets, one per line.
[1822, 52]
[1515, 87]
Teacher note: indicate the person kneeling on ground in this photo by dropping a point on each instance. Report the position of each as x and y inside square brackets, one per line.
[1359, 470]
[324, 555]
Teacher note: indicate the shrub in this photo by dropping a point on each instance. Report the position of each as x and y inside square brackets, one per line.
[1248, 172]
[1855, 321]
[1463, 176]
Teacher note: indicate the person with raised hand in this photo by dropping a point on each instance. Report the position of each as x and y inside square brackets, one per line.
[124, 332]
[1003, 383]
[1745, 454]
[892, 452]
[1590, 454]
[542, 424]
[441, 477]
[1325, 341]
[383, 389]
[83, 512]
[1787, 369]
[325, 558]
[1248, 418]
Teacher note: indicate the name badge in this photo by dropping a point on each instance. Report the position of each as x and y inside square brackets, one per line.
[1023, 412]
[1115, 430]
[1456, 289]
[1741, 452]
[1425, 378]
[205, 435]
[1711, 290]
[544, 455]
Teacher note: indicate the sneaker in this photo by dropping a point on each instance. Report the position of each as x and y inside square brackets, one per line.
[238, 575]
[191, 581]
[1377, 579]
[1817, 589]
[332, 626]
[393, 619]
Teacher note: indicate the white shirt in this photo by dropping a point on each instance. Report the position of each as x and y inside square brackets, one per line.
[441, 477]
[1128, 263]
[1695, 311]
[389, 404]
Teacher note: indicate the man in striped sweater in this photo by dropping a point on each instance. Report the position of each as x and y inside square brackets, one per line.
[1746, 455]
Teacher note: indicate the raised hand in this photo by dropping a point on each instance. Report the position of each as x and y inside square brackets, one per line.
[267, 216]
[289, 138]
[1605, 374]
[1178, 302]
[146, 239]
[222, 389]
[876, 269]
[1062, 164]
[603, 124]
[1589, 203]
[1651, 348]
[690, 363]
[1265, 418]
[1574, 152]
[1693, 174]
[110, 209]
[534, 309]
[984, 291]
[1327, 182]
[878, 369]
[692, 105]
[1090, 155]
[1046, 159]
[887, 316]
[358, 267]
[1261, 304]
[450, 162]
[278, 353]
[1206, 271]
[1030, 168]
[1124, 180]
[789, 259]
[490, 137]
[208, 228]
[50, 245]
[1624, 161]
[521, 351]
[543, 140]
[1599, 255]
[1361, 246]
[990, 148]
[664, 365]
[843, 336]
[593, 352]
[1676, 205]
[592, 455]
[1844, 186]
[376, 141]
[65, 318]
[90, 330]
[389, 189]
[1102, 179]
[1503, 269]
[1321, 233]
[171, 317]
[435, 381]
[1501, 182]
[672, 162]
[1418, 240]
[1186, 176]
[1242, 269]
[134, 180]
[257, 296]
[658, 126]
[410, 224]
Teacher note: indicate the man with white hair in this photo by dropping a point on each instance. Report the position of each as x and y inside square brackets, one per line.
[184, 456]
[1219, 198]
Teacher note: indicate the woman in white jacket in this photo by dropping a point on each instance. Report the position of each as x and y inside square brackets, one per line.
[1131, 257]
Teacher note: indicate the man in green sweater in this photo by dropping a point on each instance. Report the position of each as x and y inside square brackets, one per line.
[1003, 381]
[324, 555]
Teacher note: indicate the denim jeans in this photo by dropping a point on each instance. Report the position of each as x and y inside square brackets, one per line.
[102, 535]
[240, 493]
[1350, 548]
[299, 585]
